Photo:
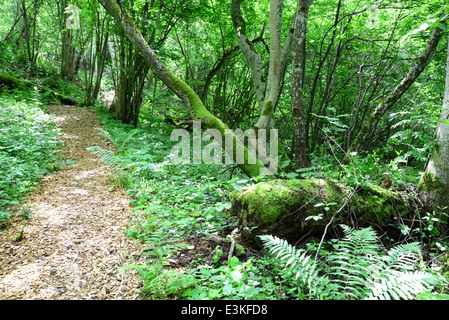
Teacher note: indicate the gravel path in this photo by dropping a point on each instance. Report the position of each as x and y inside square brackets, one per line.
[74, 241]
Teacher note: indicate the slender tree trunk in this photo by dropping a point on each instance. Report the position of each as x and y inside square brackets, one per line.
[247, 47]
[267, 91]
[68, 55]
[298, 72]
[26, 30]
[434, 182]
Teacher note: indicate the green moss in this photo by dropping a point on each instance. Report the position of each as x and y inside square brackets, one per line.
[11, 82]
[429, 182]
[378, 204]
[239, 250]
[290, 202]
[271, 199]
[267, 109]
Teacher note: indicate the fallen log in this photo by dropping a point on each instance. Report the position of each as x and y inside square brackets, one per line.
[299, 209]
[12, 82]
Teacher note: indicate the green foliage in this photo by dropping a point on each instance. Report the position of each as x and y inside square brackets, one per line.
[28, 149]
[430, 231]
[5, 56]
[357, 268]
[159, 283]
[178, 199]
[107, 155]
[236, 280]
[298, 265]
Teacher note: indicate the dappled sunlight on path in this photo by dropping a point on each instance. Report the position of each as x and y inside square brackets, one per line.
[74, 241]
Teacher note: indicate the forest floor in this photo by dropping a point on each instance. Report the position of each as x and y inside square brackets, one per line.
[73, 242]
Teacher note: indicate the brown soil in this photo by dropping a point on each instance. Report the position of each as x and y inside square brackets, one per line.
[73, 242]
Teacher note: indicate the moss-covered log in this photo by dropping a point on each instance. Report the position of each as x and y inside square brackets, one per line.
[282, 207]
[12, 82]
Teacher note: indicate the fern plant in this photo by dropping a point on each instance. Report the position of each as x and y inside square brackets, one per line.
[122, 138]
[356, 269]
[107, 156]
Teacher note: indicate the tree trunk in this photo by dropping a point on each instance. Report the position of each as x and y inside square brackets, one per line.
[97, 53]
[15, 83]
[253, 57]
[434, 182]
[298, 72]
[251, 167]
[397, 92]
[267, 91]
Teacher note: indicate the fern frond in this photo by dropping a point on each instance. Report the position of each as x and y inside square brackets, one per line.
[297, 263]
[122, 139]
[126, 139]
[355, 258]
[397, 285]
[404, 256]
[108, 136]
[106, 155]
[358, 268]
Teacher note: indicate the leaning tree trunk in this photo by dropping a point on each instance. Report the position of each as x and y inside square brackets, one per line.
[397, 92]
[434, 183]
[251, 166]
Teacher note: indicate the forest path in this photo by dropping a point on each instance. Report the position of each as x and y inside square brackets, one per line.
[73, 242]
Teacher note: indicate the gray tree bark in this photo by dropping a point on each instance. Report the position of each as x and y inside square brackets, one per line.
[267, 91]
[434, 183]
[298, 72]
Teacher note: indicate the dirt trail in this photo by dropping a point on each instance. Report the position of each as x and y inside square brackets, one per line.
[74, 241]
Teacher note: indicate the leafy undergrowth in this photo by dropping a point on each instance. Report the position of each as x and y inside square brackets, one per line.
[176, 206]
[28, 149]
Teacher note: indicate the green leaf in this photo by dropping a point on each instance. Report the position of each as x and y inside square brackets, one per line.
[234, 261]
[227, 289]
[236, 276]
[291, 175]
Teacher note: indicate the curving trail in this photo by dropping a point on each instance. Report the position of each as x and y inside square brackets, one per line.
[73, 242]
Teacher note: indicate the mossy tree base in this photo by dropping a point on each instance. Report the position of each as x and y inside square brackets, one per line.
[433, 193]
[282, 207]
